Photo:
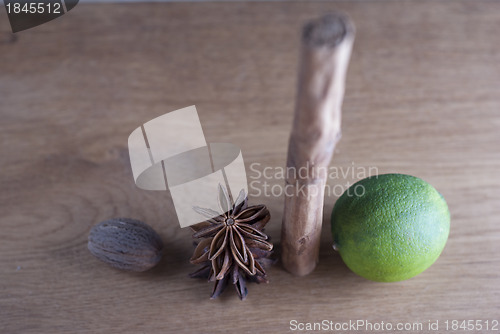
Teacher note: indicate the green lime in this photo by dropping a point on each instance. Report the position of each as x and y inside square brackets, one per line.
[390, 227]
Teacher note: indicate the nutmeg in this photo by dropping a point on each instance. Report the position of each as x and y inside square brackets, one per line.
[126, 244]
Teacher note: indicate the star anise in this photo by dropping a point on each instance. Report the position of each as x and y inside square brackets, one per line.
[233, 246]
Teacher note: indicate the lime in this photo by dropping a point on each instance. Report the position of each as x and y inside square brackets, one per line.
[390, 227]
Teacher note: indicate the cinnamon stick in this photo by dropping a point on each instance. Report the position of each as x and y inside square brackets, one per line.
[325, 53]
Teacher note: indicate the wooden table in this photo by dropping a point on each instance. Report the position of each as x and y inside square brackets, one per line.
[422, 98]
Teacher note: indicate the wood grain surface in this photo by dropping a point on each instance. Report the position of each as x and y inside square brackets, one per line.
[422, 98]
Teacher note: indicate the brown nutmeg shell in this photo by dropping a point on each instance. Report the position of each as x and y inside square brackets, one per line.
[126, 244]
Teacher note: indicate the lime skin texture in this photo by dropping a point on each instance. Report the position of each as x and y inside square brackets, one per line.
[390, 227]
